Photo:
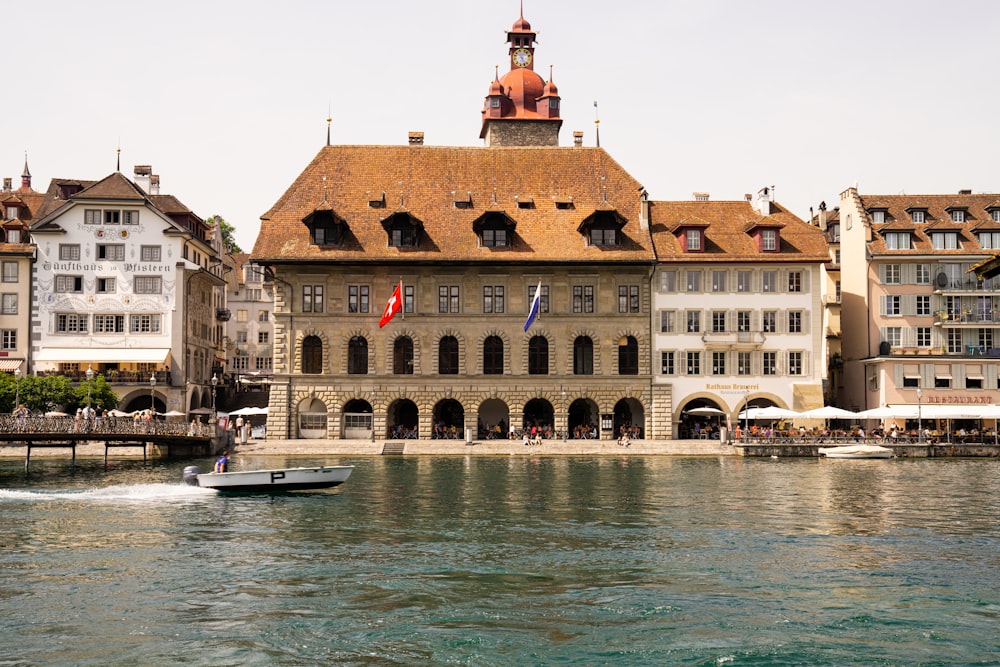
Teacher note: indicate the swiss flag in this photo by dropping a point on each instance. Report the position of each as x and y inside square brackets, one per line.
[394, 306]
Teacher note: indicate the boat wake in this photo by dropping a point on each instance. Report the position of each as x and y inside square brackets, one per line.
[116, 493]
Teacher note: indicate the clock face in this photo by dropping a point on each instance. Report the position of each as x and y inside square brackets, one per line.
[522, 57]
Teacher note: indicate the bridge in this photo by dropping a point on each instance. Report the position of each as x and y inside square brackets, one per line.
[174, 439]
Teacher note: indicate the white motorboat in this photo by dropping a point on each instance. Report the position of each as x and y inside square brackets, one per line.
[270, 481]
[856, 452]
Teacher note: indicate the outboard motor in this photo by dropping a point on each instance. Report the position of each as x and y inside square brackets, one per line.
[191, 475]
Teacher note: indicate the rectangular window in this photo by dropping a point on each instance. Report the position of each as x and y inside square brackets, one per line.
[492, 238]
[743, 363]
[958, 215]
[357, 299]
[743, 281]
[923, 304]
[448, 301]
[769, 321]
[794, 281]
[990, 240]
[795, 363]
[130, 217]
[668, 281]
[986, 338]
[106, 285]
[263, 363]
[770, 363]
[769, 281]
[10, 304]
[10, 272]
[109, 324]
[769, 240]
[69, 284]
[892, 306]
[69, 252]
[263, 316]
[897, 240]
[583, 298]
[149, 253]
[944, 240]
[923, 336]
[923, 274]
[743, 321]
[543, 300]
[241, 315]
[693, 237]
[8, 339]
[718, 363]
[144, 324]
[694, 363]
[92, 217]
[241, 336]
[878, 217]
[719, 321]
[694, 281]
[795, 321]
[493, 299]
[954, 337]
[71, 323]
[836, 291]
[241, 362]
[693, 321]
[892, 274]
[628, 298]
[112, 217]
[112, 252]
[917, 217]
[894, 336]
[254, 294]
[666, 363]
[667, 323]
[408, 298]
[263, 337]
[147, 285]
[312, 298]
[718, 281]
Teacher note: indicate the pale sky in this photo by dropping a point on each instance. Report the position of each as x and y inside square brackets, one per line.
[228, 100]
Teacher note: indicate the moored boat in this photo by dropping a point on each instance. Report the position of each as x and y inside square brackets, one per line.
[856, 452]
[270, 481]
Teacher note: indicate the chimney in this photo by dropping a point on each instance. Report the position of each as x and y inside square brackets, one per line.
[7, 184]
[416, 138]
[748, 197]
[764, 198]
[142, 176]
[154, 184]
[822, 215]
[965, 192]
[700, 196]
[577, 138]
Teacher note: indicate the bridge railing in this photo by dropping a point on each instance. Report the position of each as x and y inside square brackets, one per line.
[10, 424]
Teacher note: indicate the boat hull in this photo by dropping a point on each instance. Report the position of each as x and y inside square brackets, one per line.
[276, 481]
[856, 452]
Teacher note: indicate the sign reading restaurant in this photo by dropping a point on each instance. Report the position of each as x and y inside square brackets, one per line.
[978, 400]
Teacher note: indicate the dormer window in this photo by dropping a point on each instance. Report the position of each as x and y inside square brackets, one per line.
[878, 216]
[603, 228]
[12, 212]
[918, 216]
[944, 240]
[995, 214]
[958, 215]
[897, 240]
[564, 203]
[525, 202]
[376, 200]
[462, 200]
[693, 241]
[403, 230]
[769, 240]
[833, 233]
[325, 228]
[495, 229]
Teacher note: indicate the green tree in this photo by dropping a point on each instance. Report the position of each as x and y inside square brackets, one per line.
[228, 233]
[54, 392]
[101, 394]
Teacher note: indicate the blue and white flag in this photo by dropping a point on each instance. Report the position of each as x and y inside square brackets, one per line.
[533, 312]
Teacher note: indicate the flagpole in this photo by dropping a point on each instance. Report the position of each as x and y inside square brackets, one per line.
[402, 311]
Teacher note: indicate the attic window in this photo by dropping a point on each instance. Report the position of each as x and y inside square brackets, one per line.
[495, 230]
[12, 211]
[376, 201]
[878, 216]
[525, 202]
[897, 240]
[462, 200]
[770, 241]
[564, 203]
[325, 228]
[918, 216]
[603, 228]
[958, 215]
[403, 230]
[694, 240]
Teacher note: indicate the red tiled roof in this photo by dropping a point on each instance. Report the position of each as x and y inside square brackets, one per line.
[427, 181]
[937, 217]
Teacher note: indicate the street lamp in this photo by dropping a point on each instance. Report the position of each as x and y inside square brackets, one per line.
[90, 379]
[920, 421]
[215, 383]
[17, 388]
[152, 393]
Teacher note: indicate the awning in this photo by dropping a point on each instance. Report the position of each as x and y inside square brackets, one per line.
[10, 365]
[154, 355]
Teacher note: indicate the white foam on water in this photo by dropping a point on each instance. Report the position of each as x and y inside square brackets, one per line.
[114, 493]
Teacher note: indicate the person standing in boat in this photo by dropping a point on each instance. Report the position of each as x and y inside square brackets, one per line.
[222, 465]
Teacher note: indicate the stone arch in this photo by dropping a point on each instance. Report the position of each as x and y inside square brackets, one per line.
[297, 353]
[643, 348]
[462, 346]
[390, 346]
[592, 335]
[480, 343]
[345, 344]
[526, 344]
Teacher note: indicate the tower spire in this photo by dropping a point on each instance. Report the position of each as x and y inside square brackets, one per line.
[26, 175]
[329, 120]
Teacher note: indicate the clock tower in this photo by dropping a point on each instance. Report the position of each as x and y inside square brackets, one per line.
[521, 109]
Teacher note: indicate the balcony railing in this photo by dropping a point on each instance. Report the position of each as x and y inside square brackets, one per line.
[733, 338]
[973, 317]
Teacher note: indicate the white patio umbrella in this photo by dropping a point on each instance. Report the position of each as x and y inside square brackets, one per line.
[904, 411]
[828, 412]
[249, 411]
[769, 412]
[706, 412]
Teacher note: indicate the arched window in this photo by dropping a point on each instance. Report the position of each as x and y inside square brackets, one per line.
[448, 355]
[357, 356]
[628, 356]
[402, 356]
[583, 356]
[493, 356]
[312, 355]
[538, 356]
